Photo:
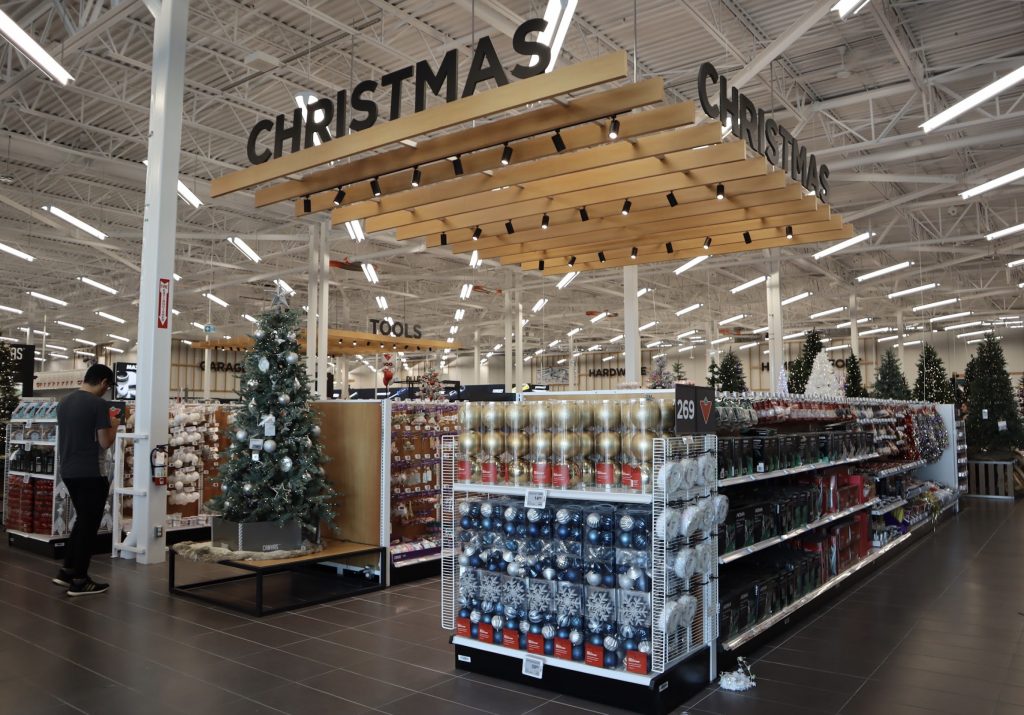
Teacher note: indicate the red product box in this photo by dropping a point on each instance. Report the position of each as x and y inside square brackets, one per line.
[632, 478]
[637, 662]
[510, 639]
[563, 648]
[593, 655]
[485, 633]
[862, 528]
[535, 644]
[462, 628]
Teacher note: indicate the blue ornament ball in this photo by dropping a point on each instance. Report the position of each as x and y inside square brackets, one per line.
[522, 641]
[463, 613]
[578, 653]
[563, 633]
[607, 538]
[549, 647]
[535, 628]
[639, 523]
[607, 522]
[466, 523]
[596, 639]
[510, 528]
[629, 645]
[474, 630]
[643, 583]
[572, 575]
[487, 523]
[640, 540]
[593, 536]
[608, 580]
[625, 539]
[611, 660]
[562, 531]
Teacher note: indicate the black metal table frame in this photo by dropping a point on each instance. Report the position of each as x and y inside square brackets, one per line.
[258, 572]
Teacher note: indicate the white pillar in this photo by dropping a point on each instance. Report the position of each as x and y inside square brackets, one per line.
[520, 339]
[631, 323]
[573, 366]
[508, 341]
[899, 340]
[344, 378]
[708, 356]
[774, 294]
[207, 372]
[312, 285]
[854, 329]
[156, 282]
[476, 357]
[324, 294]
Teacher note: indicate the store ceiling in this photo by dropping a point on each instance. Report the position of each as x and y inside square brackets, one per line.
[853, 91]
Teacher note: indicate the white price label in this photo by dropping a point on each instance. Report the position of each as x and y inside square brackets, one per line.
[1001, 425]
[984, 414]
[760, 467]
[255, 444]
[533, 667]
[536, 498]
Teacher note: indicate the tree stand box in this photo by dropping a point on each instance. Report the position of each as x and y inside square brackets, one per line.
[259, 536]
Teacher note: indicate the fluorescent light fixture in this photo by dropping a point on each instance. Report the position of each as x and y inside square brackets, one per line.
[951, 316]
[910, 291]
[643, 291]
[844, 346]
[836, 248]
[110, 317]
[749, 284]
[466, 291]
[9, 309]
[830, 311]
[16, 253]
[758, 331]
[539, 305]
[244, 248]
[798, 296]
[84, 353]
[183, 191]
[498, 347]
[747, 346]
[76, 222]
[214, 299]
[55, 346]
[974, 332]
[538, 351]
[558, 16]
[176, 276]
[175, 312]
[696, 260]
[460, 313]
[794, 336]
[115, 337]
[1014, 264]
[48, 299]
[1005, 232]
[249, 317]
[96, 284]
[83, 341]
[884, 271]
[355, 230]
[689, 309]
[890, 337]
[198, 326]
[987, 92]
[844, 7]
[40, 332]
[616, 339]
[911, 343]
[654, 344]
[609, 358]
[648, 326]
[685, 349]
[554, 343]
[33, 51]
[936, 304]
[112, 349]
[284, 286]
[600, 316]
[453, 329]
[474, 260]
[733, 319]
[557, 362]
[687, 334]
[659, 355]
[993, 184]
[719, 341]
[592, 348]
[567, 279]
[58, 356]
[961, 326]
[370, 272]
[525, 322]
[981, 340]
[73, 326]
[382, 302]
[574, 331]
[848, 323]
[875, 331]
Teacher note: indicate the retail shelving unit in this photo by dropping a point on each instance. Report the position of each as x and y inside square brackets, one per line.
[961, 455]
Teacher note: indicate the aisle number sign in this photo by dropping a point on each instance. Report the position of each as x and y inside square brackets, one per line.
[695, 410]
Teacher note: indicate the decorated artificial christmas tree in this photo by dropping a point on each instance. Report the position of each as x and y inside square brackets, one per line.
[430, 387]
[932, 384]
[730, 374]
[273, 472]
[800, 369]
[891, 384]
[854, 380]
[782, 386]
[678, 372]
[993, 421]
[713, 375]
[1020, 395]
[8, 394]
[661, 378]
[823, 379]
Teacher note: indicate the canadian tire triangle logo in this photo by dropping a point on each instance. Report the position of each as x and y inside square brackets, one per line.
[705, 409]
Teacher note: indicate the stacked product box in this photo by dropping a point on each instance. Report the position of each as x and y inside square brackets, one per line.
[20, 503]
[42, 507]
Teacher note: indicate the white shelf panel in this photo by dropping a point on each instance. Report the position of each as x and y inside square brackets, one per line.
[889, 507]
[747, 478]
[776, 540]
[587, 495]
[33, 475]
[37, 442]
[38, 537]
[550, 662]
[43, 420]
[903, 469]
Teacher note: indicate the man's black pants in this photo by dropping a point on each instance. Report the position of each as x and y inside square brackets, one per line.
[89, 495]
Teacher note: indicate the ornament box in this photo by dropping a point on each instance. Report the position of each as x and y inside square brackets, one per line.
[257, 535]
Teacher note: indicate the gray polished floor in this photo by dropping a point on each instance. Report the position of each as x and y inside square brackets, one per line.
[937, 631]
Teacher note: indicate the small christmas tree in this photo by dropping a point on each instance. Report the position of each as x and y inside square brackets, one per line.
[274, 468]
[890, 383]
[782, 386]
[993, 422]
[661, 378]
[730, 374]
[854, 380]
[8, 394]
[678, 372]
[713, 375]
[932, 384]
[430, 387]
[823, 379]
[800, 369]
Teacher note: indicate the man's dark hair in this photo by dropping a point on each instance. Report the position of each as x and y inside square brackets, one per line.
[97, 374]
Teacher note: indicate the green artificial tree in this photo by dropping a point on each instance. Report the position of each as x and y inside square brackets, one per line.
[274, 467]
[8, 393]
[854, 380]
[932, 384]
[713, 375]
[993, 421]
[800, 369]
[1020, 395]
[730, 374]
[891, 384]
[678, 372]
[661, 378]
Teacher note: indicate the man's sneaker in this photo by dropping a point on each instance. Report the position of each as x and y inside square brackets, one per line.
[63, 578]
[86, 587]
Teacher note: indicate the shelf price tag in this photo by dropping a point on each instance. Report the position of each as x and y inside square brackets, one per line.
[533, 667]
[536, 499]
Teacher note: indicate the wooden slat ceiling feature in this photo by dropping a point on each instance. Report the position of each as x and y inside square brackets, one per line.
[340, 342]
[606, 68]
[543, 161]
[480, 147]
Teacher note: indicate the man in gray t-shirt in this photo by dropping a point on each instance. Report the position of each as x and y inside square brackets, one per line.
[84, 432]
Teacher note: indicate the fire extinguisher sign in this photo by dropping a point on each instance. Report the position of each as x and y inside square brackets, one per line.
[163, 303]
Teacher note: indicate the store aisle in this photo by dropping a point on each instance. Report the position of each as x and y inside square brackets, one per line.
[937, 631]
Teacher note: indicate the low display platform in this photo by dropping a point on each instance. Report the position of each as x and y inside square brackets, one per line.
[341, 570]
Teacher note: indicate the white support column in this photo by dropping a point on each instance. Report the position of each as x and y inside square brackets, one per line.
[476, 357]
[324, 294]
[312, 285]
[854, 329]
[344, 378]
[520, 340]
[899, 340]
[573, 365]
[207, 372]
[631, 323]
[156, 282]
[710, 349]
[508, 341]
[774, 294]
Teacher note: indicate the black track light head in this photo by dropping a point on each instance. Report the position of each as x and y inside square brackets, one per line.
[707, 243]
[626, 206]
[545, 221]
[506, 155]
[789, 232]
[572, 261]
[457, 163]
[444, 238]
[557, 140]
[307, 204]
[339, 197]
[672, 200]
[416, 176]
[613, 129]
[632, 254]
[477, 232]
[540, 266]
[509, 228]
[584, 216]
[375, 186]
[668, 247]
[600, 256]
[720, 191]
[746, 238]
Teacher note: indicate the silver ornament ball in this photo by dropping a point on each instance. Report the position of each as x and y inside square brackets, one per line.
[286, 464]
[241, 435]
[284, 399]
[291, 358]
[258, 333]
[263, 365]
[316, 430]
[269, 446]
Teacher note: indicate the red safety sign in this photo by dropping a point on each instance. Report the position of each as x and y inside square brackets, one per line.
[163, 303]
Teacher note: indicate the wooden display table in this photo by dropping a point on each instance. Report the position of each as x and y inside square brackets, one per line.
[341, 570]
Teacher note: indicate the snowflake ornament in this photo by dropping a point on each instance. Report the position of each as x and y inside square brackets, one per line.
[568, 602]
[513, 593]
[490, 587]
[600, 606]
[467, 584]
[635, 610]
[539, 597]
